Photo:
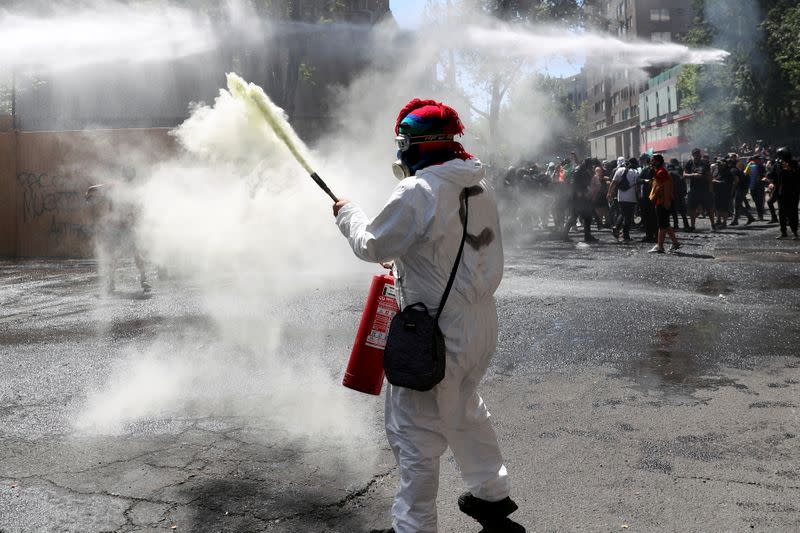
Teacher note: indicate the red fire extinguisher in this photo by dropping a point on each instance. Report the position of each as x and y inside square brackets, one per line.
[365, 368]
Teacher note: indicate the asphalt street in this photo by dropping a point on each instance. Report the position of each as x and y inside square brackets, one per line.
[630, 392]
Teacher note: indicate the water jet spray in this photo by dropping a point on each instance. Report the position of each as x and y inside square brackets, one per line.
[276, 120]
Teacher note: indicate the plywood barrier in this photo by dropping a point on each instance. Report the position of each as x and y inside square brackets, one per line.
[8, 195]
[48, 176]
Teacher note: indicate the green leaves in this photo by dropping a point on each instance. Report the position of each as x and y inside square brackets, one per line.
[756, 92]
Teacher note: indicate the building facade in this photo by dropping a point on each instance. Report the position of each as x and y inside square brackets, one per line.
[663, 120]
[613, 91]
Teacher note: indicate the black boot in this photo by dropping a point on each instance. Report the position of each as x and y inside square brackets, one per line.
[389, 530]
[504, 525]
[488, 514]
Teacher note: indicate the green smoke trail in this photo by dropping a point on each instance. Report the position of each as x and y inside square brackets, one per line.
[272, 114]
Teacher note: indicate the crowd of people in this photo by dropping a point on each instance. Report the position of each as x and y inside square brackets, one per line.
[654, 196]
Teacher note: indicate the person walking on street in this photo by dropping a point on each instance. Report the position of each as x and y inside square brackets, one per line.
[623, 185]
[678, 194]
[698, 172]
[785, 177]
[647, 209]
[420, 229]
[580, 204]
[723, 191]
[740, 186]
[116, 213]
[661, 195]
[754, 171]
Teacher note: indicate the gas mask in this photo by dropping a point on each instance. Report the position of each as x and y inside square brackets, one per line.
[409, 159]
[400, 168]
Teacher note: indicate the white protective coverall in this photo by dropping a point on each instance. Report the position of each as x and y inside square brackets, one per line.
[420, 229]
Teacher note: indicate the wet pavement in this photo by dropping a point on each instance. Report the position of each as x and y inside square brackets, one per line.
[630, 391]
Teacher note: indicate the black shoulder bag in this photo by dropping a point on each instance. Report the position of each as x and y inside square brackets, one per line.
[415, 352]
[624, 184]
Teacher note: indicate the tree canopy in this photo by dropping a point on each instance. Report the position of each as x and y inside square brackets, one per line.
[756, 92]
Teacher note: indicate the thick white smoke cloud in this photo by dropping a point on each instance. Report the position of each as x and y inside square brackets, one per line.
[238, 221]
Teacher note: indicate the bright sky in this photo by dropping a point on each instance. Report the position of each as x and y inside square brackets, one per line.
[408, 14]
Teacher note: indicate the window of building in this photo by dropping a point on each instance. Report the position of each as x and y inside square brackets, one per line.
[661, 37]
[659, 15]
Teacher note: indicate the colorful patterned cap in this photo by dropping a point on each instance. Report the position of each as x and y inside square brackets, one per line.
[428, 117]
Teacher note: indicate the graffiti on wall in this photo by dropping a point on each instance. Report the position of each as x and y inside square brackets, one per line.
[59, 198]
[49, 194]
[61, 231]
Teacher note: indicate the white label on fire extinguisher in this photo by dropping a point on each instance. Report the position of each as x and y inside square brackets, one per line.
[387, 308]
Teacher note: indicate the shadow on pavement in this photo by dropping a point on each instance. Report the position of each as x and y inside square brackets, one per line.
[131, 295]
[696, 256]
[246, 504]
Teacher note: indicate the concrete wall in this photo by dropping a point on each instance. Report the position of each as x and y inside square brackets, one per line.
[43, 179]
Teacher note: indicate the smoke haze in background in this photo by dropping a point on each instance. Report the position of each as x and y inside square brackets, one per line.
[102, 32]
[236, 218]
[736, 28]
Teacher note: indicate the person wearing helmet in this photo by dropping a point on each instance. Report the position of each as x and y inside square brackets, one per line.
[420, 229]
[785, 178]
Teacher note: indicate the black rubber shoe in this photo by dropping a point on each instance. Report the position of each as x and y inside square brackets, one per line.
[389, 530]
[485, 511]
[504, 525]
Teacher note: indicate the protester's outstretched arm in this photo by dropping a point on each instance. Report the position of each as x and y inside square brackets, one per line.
[402, 222]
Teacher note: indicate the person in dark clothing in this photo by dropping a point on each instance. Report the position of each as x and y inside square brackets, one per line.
[698, 172]
[769, 187]
[754, 171]
[785, 177]
[560, 194]
[678, 193]
[117, 212]
[740, 187]
[723, 190]
[580, 205]
[647, 208]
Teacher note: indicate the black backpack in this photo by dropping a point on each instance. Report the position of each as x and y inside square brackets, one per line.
[624, 184]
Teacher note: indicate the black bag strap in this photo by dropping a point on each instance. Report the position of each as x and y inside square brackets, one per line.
[458, 258]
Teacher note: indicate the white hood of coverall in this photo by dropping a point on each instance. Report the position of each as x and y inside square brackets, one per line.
[419, 228]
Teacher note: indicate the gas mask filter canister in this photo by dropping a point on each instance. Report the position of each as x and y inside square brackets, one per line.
[400, 168]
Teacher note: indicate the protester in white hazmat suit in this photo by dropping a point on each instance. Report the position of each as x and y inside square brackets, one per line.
[420, 229]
